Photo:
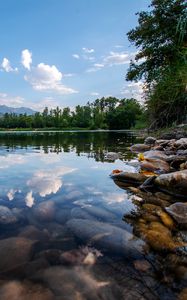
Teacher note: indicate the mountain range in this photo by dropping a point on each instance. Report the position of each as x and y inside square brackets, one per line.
[16, 110]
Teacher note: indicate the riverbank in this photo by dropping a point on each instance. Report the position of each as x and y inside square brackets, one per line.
[159, 193]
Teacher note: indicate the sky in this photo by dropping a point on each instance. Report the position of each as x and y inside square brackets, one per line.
[66, 52]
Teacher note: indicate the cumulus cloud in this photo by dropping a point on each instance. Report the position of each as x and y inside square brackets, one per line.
[87, 50]
[77, 56]
[29, 199]
[26, 59]
[6, 66]
[6, 99]
[47, 78]
[48, 182]
[11, 194]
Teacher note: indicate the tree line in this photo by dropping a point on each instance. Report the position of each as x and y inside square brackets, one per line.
[104, 113]
[161, 61]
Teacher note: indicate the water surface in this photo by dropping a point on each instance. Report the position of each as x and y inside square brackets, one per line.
[66, 214]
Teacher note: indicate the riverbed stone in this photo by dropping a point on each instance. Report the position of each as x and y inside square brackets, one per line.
[104, 236]
[157, 166]
[44, 211]
[15, 251]
[150, 140]
[178, 211]
[6, 216]
[137, 148]
[16, 290]
[130, 178]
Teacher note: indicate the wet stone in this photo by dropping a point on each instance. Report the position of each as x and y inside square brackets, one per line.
[44, 211]
[6, 216]
[14, 252]
[17, 290]
[178, 211]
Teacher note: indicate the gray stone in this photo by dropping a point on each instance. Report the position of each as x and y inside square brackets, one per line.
[44, 211]
[15, 251]
[6, 216]
[105, 236]
[178, 211]
[150, 140]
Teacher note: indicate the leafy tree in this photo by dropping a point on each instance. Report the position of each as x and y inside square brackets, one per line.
[161, 37]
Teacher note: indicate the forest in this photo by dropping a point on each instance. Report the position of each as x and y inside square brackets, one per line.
[104, 113]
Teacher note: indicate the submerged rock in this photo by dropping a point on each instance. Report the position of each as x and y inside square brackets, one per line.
[158, 236]
[16, 290]
[44, 211]
[112, 156]
[14, 251]
[104, 236]
[6, 216]
[175, 183]
[178, 211]
[83, 255]
[78, 283]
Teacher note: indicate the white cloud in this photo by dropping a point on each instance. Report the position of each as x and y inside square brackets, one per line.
[9, 160]
[87, 50]
[11, 194]
[7, 66]
[26, 59]
[112, 59]
[94, 94]
[118, 58]
[48, 182]
[6, 99]
[134, 90]
[47, 78]
[76, 56]
[29, 199]
[96, 67]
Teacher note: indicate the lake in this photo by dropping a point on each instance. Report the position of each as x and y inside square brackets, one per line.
[62, 232]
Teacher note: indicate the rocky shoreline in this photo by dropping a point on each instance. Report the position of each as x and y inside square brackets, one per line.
[159, 193]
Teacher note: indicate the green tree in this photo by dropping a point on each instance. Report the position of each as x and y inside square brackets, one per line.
[161, 37]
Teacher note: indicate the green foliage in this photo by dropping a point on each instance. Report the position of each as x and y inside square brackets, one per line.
[161, 37]
[104, 113]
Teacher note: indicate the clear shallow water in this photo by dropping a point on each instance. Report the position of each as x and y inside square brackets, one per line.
[66, 214]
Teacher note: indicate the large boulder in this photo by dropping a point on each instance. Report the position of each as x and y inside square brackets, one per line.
[6, 216]
[16, 290]
[44, 211]
[181, 144]
[150, 140]
[175, 183]
[105, 236]
[157, 166]
[14, 252]
[178, 211]
[137, 148]
[155, 154]
[130, 178]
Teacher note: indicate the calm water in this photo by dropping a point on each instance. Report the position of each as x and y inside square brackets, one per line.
[61, 220]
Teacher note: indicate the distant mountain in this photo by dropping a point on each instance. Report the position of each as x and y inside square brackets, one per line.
[16, 110]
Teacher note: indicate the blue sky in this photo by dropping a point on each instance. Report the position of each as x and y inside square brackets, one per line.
[65, 52]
